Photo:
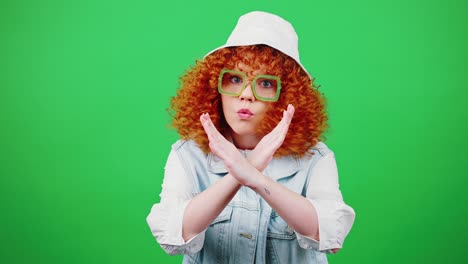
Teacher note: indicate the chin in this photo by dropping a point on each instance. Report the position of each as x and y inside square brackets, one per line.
[242, 127]
[243, 131]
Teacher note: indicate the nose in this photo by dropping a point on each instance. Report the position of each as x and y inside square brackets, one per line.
[247, 93]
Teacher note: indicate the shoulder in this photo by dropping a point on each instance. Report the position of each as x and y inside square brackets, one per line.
[187, 147]
[320, 149]
[316, 154]
[185, 143]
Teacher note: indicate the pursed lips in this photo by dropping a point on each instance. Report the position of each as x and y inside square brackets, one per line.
[244, 113]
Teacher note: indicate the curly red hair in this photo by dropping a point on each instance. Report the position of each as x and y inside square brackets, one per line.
[199, 94]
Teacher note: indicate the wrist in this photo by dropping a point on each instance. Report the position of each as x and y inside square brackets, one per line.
[233, 180]
[257, 182]
[256, 163]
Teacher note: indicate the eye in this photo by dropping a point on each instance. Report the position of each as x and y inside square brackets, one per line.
[266, 84]
[236, 79]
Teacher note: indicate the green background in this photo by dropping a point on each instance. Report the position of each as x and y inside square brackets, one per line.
[84, 86]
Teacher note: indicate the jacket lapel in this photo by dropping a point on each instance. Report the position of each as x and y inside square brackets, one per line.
[277, 169]
[282, 167]
[215, 164]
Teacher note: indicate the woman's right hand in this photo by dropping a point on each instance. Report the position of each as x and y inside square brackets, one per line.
[266, 148]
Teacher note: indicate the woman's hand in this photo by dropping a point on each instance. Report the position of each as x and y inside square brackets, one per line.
[247, 170]
[234, 161]
[266, 148]
[219, 145]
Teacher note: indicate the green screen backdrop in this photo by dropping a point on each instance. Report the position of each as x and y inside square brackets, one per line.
[83, 141]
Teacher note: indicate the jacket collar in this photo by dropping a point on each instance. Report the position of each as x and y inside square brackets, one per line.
[277, 169]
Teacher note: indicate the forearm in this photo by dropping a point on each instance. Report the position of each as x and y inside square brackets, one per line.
[295, 209]
[206, 206]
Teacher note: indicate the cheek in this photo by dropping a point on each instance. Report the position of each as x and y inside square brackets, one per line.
[227, 102]
[223, 100]
[227, 105]
[263, 109]
[224, 104]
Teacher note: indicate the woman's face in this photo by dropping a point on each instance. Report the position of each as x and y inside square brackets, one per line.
[244, 113]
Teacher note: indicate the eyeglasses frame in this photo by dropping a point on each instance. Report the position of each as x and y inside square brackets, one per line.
[253, 84]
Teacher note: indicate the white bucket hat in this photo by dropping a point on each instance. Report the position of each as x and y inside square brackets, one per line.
[259, 27]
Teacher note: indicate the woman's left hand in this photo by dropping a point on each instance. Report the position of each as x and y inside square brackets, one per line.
[263, 153]
[235, 163]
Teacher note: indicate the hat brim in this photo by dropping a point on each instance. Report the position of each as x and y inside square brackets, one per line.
[228, 46]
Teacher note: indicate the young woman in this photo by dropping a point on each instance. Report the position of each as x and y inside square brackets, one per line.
[250, 181]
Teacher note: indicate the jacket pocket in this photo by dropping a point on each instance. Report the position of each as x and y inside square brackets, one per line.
[279, 229]
[225, 215]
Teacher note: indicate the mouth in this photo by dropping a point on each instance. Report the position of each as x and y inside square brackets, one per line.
[244, 113]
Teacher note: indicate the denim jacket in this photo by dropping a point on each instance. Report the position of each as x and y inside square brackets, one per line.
[248, 230]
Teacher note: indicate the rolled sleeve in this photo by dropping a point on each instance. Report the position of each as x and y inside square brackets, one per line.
[307, 242]
[166, 218]
[335, 221]
[165, 222]
[335, 218]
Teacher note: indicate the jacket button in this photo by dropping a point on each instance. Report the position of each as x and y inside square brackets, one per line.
[249, 236]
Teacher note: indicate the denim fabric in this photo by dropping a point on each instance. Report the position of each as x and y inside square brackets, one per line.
[248, 230]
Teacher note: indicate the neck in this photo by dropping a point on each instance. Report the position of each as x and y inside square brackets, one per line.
[245, 141]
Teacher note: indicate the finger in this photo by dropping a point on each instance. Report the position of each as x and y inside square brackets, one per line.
[203, 121]
[205, 124]
[278, 130]
[213, 134]
[287, 114]
[285, 122]
[290, 113]
[218, 142]
[214, 130]
[209, 128]
[283, 125]
[292, 110]
[210, 124]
